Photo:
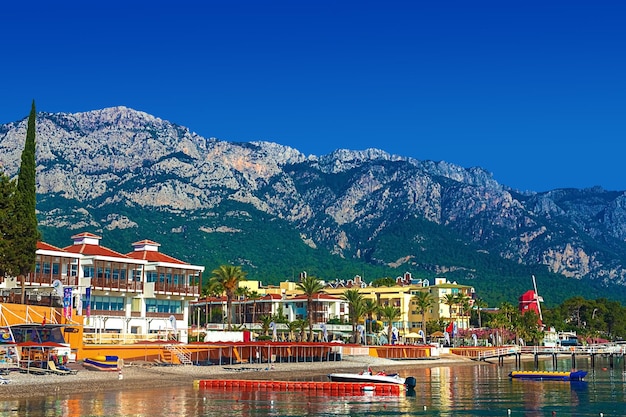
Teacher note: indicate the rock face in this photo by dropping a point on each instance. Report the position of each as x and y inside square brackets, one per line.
[119, 157]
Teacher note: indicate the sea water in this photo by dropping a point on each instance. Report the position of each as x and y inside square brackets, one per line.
[450, 390]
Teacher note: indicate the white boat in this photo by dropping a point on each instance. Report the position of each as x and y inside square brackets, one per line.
[373, 378]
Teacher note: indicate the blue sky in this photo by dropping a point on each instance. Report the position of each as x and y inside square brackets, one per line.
[534, 92]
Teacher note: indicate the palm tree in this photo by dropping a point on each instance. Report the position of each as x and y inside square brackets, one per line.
[370, 307]
[479, 304]
[423, 301]
[508, 310]
[356, 309]
[241, 293]
[293, 326]
[310, 286]
[228, 276]
[450, 300]
[211, 289]
[265, 324]
[499, 321]
[390, 314]
[302, 325]
[464, 306]
[254, 296]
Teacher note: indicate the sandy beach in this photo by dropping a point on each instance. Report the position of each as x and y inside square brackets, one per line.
[137, 375]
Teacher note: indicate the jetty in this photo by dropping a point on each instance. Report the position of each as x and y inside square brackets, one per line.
[612, 351]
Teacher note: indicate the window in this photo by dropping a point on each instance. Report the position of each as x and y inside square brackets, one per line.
[151, 276]
[164, 306]
[106, 303]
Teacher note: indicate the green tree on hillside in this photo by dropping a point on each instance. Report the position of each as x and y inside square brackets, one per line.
[27, 236]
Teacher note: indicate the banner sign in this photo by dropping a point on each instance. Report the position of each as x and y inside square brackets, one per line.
[67, 302]
[88, 301]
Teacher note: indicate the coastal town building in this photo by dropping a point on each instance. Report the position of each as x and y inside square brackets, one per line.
[111, 294]
[287, 300]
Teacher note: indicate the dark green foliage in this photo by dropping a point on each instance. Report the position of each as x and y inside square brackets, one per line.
[8, 263]
[27, 234]
[600, 318]
[270, 250]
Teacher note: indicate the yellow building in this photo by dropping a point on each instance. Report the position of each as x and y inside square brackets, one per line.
[402, 295]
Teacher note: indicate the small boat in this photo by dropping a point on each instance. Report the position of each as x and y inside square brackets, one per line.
[547, 375]
[371, 377]
[104, 363]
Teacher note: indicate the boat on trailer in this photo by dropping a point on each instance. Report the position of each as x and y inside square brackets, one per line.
[549, 375]
[373, 378]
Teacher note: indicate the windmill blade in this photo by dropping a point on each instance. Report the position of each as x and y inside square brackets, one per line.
[539, 298]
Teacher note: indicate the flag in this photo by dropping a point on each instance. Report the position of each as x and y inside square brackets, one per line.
[450, 327]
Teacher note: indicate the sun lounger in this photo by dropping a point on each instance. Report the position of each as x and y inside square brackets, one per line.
[4, 381]
[34, 370]
[53, 369]
[65, 368]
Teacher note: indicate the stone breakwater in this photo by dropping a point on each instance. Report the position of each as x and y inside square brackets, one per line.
[142, 374]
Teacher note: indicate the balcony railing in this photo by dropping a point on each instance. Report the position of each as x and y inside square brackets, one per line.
[117, 284]
[46, 279]
[183, 290]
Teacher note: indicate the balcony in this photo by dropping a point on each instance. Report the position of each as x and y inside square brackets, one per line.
[176, 289]
[109, 284]
[46, 279]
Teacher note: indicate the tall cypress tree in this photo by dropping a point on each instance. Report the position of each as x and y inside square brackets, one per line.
[8, 265]
[26, 201]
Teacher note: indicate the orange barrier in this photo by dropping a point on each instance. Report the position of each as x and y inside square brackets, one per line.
[333, 388]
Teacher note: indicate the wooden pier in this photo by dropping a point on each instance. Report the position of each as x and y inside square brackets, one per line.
[611, 351]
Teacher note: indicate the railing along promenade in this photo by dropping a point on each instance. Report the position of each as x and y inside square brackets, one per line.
[608, 350]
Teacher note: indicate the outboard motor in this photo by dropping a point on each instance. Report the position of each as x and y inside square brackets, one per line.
[410, 382]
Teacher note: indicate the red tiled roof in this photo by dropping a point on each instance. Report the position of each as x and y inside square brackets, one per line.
[146, 242]
[93, 250]
[318, 296]
[47, 246]
[154, 256]
[86, 234]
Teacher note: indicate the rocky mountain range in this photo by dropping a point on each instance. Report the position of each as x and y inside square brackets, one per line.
[126, 174]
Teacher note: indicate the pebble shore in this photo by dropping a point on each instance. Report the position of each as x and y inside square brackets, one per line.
[140, 374]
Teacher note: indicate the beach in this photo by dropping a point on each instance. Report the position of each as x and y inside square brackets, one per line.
[137, 375]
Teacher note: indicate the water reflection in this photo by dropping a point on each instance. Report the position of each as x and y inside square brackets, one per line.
[473, 390]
